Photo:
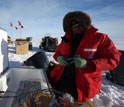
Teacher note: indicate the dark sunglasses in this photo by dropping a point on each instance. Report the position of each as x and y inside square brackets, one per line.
[76, 25]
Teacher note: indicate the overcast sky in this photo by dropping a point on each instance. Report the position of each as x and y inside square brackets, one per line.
[41, 17]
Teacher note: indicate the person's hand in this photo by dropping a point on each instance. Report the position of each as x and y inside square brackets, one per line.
[79, 62]
[61, 61]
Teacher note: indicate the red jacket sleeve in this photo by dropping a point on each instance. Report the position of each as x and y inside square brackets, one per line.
[108, 56]
[58, 51]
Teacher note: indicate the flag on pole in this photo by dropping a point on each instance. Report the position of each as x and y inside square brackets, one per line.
[19, 23]
[16, 28]
[11, 24]
[22, 26]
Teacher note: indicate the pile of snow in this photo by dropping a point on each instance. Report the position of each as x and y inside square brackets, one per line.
[111, 95]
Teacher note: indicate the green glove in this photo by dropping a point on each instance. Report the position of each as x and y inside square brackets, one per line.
[61, 61]
[79, 62]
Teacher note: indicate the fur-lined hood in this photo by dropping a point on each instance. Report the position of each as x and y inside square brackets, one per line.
[78, 16]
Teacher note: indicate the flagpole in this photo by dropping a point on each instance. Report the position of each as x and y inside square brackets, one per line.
[20, 32]
[11, 34]
[11, 25]
[20, 29]
[16, 31]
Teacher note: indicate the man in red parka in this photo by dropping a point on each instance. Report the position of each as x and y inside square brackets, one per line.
[82, 55]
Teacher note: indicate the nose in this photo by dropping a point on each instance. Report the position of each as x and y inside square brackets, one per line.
[77, 29]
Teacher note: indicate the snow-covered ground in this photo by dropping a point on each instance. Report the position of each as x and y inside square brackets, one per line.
[111, 95]
[16, 60]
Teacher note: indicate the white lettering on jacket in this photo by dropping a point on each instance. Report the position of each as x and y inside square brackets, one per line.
[88, 49]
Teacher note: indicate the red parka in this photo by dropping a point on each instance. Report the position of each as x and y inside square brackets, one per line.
[100, 53]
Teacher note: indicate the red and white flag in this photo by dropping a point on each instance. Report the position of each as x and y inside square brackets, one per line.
[11, 24]
[22, 26]
[19, 23]
[16, 28]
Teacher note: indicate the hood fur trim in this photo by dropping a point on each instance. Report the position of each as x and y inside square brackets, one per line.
[78, 16]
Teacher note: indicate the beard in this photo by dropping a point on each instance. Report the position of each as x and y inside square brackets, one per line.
[77, 37]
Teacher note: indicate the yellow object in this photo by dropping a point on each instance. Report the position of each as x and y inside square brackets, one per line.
[9, 39]
[42, 41]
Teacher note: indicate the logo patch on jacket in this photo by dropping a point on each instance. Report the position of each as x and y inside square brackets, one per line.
[88, 49]
[91, 57]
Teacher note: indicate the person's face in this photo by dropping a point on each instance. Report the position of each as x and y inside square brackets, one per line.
[77, 29]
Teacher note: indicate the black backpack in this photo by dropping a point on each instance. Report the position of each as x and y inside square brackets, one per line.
[38, 60]
[117, 75]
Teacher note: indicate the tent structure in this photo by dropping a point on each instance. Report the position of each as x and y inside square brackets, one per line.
[117, 75]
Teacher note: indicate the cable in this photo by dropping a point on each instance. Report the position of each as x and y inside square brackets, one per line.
[58, 94]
